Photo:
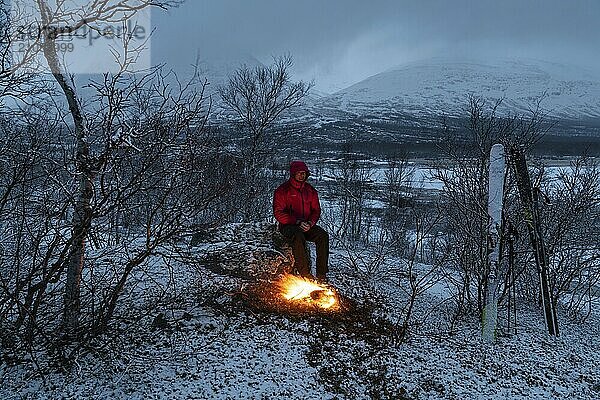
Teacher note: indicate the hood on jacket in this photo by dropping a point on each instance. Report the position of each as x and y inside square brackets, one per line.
[297, 166]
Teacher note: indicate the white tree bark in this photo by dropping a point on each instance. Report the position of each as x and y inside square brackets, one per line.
[82, 211]
[53, 17]
[495, 195]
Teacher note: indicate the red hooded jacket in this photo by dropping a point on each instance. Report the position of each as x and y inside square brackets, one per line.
[294, 201]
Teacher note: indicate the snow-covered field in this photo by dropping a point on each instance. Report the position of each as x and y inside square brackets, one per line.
[212, 343]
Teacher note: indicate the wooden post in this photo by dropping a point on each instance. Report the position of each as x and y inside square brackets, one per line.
[495, 197]
[532, 219]
[511, 278]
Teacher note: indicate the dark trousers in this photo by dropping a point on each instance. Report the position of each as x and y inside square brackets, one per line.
[298, 240]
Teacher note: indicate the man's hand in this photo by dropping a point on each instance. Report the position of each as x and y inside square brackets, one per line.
[305, 226]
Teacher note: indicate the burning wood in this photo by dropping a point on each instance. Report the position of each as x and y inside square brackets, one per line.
[304, 291]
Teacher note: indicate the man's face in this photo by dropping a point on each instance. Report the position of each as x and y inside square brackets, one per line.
[300, 176]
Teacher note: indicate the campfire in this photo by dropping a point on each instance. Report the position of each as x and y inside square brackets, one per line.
[306, 292]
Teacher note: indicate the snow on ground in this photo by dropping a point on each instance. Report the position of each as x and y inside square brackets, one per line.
[212, 358]
[208, 342]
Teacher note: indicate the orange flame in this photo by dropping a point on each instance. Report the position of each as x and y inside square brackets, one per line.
[297, 289]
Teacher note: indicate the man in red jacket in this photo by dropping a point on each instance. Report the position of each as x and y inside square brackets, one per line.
[296, 207]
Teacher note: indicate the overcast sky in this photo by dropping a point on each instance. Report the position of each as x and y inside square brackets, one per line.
[339, 42]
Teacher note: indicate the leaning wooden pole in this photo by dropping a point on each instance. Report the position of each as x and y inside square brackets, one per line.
[532, 219]
[495, 201]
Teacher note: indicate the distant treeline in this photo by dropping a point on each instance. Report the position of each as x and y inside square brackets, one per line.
[380, 138]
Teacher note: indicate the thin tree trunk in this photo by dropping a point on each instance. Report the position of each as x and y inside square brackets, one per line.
[82, 208]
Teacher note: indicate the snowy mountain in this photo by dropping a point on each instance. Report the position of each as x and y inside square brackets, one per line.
[441, 87]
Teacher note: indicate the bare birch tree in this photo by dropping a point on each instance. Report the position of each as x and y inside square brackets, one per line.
[258, 97]
[58, 20]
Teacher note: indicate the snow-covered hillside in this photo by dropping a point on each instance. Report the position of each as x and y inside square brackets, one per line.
[199, 335]
[441, 86]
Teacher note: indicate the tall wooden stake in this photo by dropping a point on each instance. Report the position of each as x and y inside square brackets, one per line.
[495, 196]
[532, 218]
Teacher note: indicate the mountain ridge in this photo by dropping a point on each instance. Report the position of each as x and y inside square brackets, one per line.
[441, 87]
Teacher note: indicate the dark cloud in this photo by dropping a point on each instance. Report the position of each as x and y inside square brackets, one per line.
[340, 41]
